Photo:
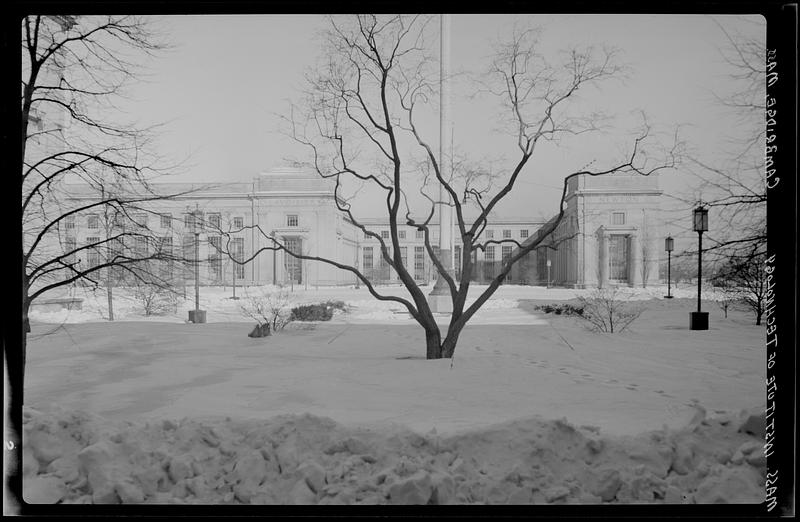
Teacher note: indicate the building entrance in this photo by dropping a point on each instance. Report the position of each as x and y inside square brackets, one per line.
[294, 266]
[618, 258]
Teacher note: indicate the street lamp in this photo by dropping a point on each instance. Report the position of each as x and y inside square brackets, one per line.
[548, 272]
[669, 246]
[699, 320]
[196, 315]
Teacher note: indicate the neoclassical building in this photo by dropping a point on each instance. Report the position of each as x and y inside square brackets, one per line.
[609, 234]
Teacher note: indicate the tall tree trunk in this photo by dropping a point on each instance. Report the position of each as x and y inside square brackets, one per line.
[110, 297]
[433, 343]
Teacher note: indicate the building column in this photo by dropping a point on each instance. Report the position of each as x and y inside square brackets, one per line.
[635, 270]
[604, 257]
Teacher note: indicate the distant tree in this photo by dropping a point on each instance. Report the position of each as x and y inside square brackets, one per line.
[73, 69]
[744, 278]
[360, 122]
[735, 190]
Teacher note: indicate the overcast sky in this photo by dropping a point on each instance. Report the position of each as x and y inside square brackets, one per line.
[227, 77]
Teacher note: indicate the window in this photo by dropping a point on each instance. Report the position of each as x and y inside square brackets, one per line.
[238, 254]
[402, 234]
[69, 249]
[238, 222]
[457, 260]
[383, 263]
[69, 222]
[523, 233]
[506, 252]
[188, 220]
[213, 220]
[385, 234]
[166, 246]
[367, 258]
[506, 233]
[165, 267]
[119, 219]
[140, 247]
[93, 221]
[92, 254]
[141, 219]
[419, 262]
[215, 268]
[618, 218]
[489, 233]
[166, 220]
[420, 234]
[215, 243]
[488, 262]
[291, 220]
[188, 255]
[404, 255]
[366, 234]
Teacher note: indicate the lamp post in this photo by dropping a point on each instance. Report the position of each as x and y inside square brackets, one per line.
[196, 315]
[548, 271]
[669, 246]
[699, 320]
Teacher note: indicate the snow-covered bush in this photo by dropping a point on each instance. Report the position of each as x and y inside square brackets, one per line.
[607, 310]
[268, 307]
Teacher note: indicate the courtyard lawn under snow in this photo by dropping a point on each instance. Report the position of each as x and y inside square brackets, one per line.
[541, 378]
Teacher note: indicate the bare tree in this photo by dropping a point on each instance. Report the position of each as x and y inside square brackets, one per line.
[745, 279]
[359, 122]
[80, 161]
[736, 189]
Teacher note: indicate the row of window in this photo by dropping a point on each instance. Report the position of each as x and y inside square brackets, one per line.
[141, 250]
[419, 256]
[189, 220]
[523, 233]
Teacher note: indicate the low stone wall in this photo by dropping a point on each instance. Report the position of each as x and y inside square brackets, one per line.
[56, 304]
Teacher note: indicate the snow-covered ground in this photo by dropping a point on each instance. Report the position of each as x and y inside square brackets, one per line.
[221, 308]
[350, 412]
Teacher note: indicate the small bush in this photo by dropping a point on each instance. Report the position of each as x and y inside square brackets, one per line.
[312, 312]
[559, 309]
[155, 299]
[604, 310]
[317, 312]
[268, 308]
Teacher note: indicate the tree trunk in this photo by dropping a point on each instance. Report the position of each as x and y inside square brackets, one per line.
[433, 343]
[110, 296]
[449, 345]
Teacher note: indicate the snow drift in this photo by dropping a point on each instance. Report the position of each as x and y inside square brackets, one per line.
[77, 457]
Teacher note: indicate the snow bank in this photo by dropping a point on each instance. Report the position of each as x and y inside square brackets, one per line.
[76, 457]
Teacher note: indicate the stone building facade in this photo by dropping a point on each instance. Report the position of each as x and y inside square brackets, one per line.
[608, 235]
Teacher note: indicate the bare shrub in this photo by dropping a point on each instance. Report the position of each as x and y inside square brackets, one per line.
[155, 299]
[605, 310]
[268, 307]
